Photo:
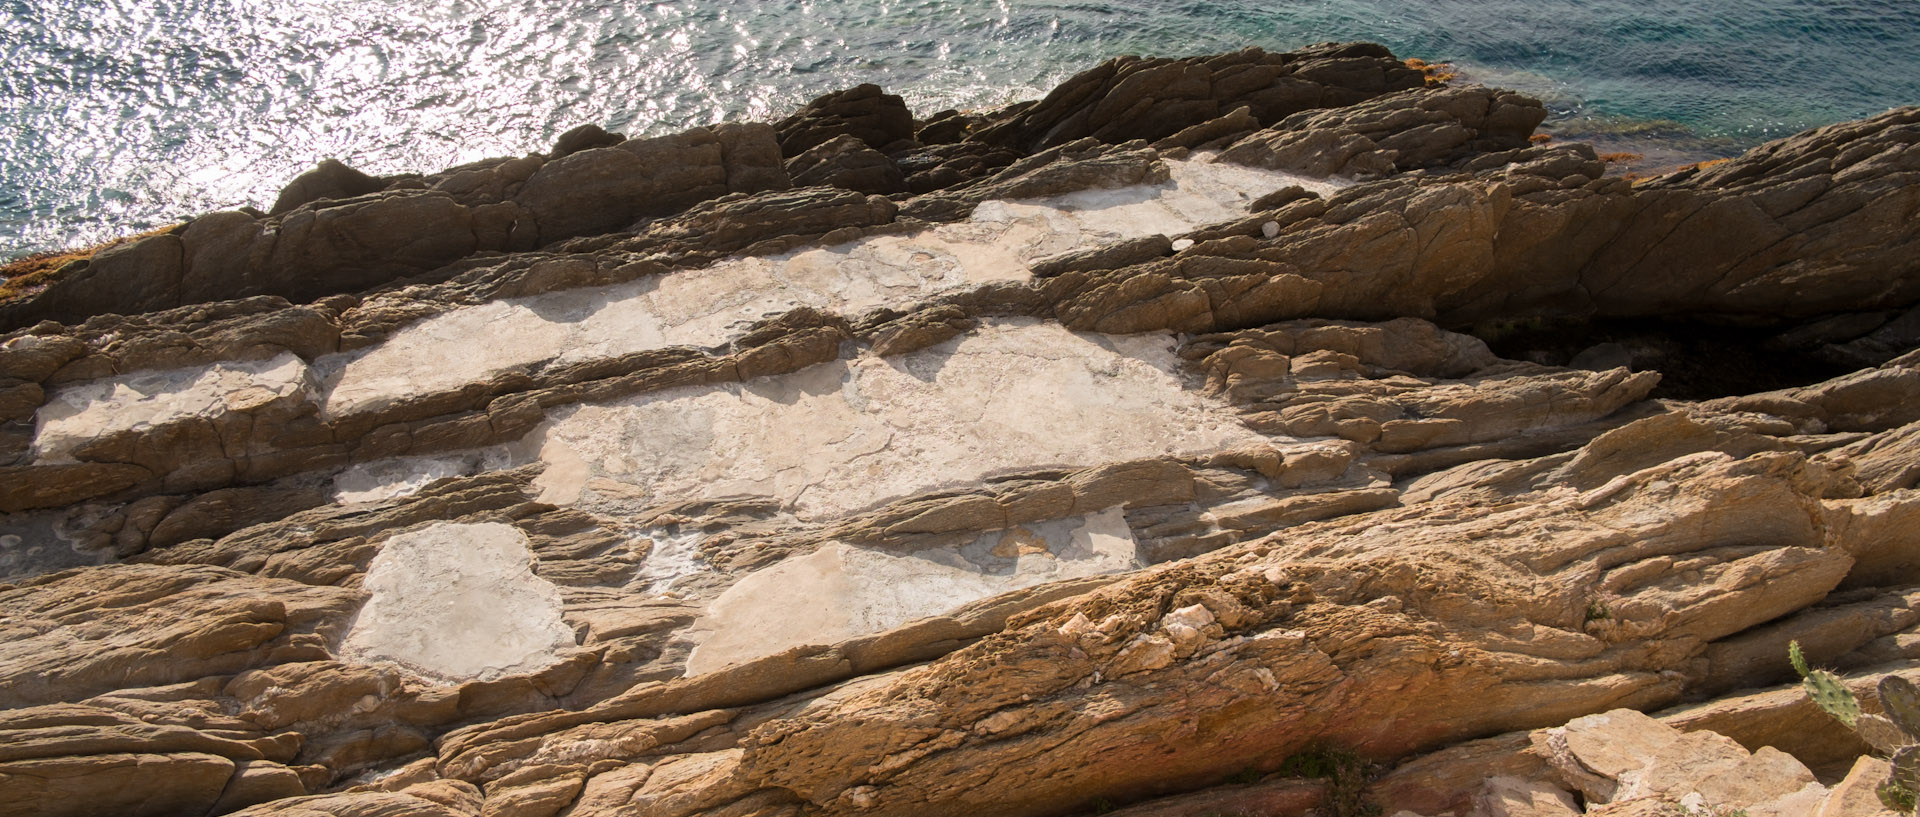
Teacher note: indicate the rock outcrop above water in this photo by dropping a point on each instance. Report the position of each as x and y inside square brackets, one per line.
[1257, 433]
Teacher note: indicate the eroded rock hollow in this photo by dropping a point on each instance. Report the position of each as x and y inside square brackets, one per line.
[1257, 433]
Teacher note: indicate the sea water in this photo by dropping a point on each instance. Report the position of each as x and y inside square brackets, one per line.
[120, 115]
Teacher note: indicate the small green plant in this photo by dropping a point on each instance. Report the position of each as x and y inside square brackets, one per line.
[1896, 733]
[1246, 777]
[1713, 811]
[1101, 805]
[1347, 776]
[1596, 611]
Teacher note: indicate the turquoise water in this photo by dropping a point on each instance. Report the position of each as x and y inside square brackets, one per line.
[118, 115]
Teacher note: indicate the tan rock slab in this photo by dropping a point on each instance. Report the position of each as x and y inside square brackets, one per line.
[1858, 794]
[1516, 797]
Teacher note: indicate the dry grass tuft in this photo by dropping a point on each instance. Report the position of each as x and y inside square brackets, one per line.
[29, 275]
[1438, 73]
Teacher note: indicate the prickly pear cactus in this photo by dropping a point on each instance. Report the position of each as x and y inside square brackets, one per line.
[1825, 689]
[1903, 782]
[1897, 733]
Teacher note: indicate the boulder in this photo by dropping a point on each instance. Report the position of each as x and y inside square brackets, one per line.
[606, 189]
[864, 112]
[330, 179]
[1129, 98]
[583, 137]
[1401, 131]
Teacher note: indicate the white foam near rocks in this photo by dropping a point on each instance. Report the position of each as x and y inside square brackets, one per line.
[706, 307]
[851, 434]
[840, 591]
[458, 602]
[77, 414]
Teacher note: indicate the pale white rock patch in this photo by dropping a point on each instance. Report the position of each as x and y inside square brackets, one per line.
[708, 306]
[400, 476]
[852, 434]
[702, 308]
[77, 414]
[840, 591]
[674, 556]
[458, 602]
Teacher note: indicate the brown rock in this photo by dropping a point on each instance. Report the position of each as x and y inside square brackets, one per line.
[328, 180]
[381, 804]
[1132, 98]
[34, 358]
[256, 782]
[1857, 795]
[217, 513]
[583, 137]
[605, 189]
[864, 112]
[1401, 131]
[1513, 797]
[845, 161]
[77, 634]
[357, 243]
[23, 487]
[147, 785]
[138, 276]
[1073, 166]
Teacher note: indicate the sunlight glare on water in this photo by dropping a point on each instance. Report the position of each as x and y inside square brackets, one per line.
[118, 115]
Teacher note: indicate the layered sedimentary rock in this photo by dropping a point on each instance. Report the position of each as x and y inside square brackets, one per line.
[1260, 432]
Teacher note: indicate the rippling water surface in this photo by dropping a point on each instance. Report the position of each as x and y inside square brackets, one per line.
[124, 114]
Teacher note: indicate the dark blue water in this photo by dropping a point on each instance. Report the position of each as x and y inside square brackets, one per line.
[118, 115]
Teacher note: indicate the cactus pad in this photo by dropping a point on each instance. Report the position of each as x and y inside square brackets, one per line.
[1901, 700]
[1904, 782]
[1825, 688]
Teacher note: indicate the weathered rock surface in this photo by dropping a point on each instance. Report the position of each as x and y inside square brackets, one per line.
[1407, 130]
[1034, 461]
[866, 113]
[845, 161]
[1132, 98]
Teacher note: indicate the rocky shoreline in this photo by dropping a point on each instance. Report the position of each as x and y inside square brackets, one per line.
[1257, 433]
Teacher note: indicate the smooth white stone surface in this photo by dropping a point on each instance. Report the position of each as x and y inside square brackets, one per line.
[706, 307]
[77, 414]
[458, 602]
[840, 591]
[852, 434]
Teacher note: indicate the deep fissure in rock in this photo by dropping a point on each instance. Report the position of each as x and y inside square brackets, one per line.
[1697, 359]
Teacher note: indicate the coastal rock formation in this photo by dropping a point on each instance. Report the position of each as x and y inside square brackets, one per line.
[1258, 433]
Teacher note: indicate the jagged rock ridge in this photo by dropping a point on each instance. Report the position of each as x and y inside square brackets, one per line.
[1110, 449]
